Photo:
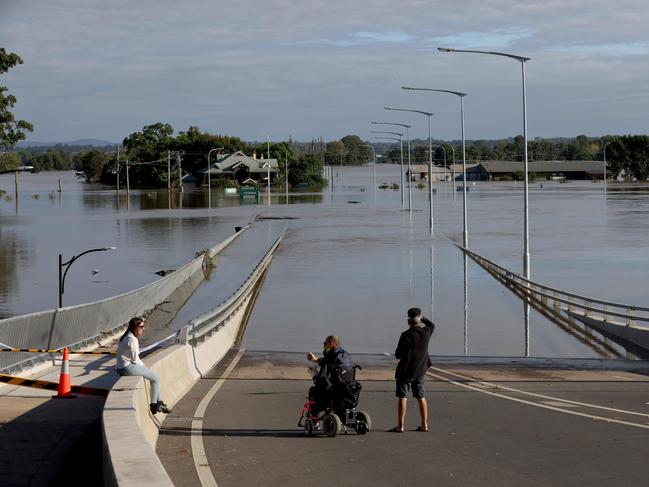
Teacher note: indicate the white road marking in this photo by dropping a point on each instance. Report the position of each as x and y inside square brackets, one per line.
[560, 404]
[535, 404]
[550, 398]
[201, 463]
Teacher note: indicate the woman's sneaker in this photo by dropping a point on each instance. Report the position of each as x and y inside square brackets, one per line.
[163, 408]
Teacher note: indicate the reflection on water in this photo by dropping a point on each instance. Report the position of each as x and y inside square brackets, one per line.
[15, 253]
[352, 262]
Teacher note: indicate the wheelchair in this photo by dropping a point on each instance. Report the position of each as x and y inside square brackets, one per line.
[334, 411]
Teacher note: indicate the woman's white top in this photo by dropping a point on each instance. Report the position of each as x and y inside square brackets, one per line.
[128, 351]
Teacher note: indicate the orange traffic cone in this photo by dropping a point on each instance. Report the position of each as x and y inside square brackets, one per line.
[65, 388]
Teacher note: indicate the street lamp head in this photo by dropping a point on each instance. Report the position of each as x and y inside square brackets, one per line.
[109, 248]
[445, 49]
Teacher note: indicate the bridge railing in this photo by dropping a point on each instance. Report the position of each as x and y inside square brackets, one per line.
[624, 315]
[216, 318]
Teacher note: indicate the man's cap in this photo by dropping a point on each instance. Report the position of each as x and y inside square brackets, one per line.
[412, 312]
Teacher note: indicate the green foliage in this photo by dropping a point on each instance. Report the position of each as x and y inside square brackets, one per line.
[224, 183]
[50, 160]
[348, 151]
[11, 130]
[148, 151]
[9, 161]
[307, 169]
[93, 164]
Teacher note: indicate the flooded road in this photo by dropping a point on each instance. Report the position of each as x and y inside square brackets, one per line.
[352, 261]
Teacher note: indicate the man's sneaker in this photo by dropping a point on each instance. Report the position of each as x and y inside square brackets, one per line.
[153, 407]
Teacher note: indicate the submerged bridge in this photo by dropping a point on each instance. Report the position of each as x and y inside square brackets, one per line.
[492, 421]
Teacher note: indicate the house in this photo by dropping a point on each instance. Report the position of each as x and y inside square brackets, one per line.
[420, 173]
[243, 168]
[550, 170]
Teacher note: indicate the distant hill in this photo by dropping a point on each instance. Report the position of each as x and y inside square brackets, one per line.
[79, 142]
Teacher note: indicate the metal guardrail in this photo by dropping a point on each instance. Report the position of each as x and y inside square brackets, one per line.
[216, 318]
[619, 314]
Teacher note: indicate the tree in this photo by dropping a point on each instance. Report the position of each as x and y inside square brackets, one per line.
[93, 164]
[9, 161]
[307, 169]
[358, 152]
[149, 149]
[11, 130]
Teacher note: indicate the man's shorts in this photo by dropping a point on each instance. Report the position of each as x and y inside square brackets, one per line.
[417, 384]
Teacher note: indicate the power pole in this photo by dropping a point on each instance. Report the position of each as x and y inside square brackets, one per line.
[180, 171]
[168, 171]
[128, 183]
[117, 169]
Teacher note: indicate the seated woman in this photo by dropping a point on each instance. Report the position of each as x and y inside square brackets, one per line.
[334, 365]
[129, 363]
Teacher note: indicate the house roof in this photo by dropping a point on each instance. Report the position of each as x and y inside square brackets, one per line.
[229, 163]
[591, 167]
[420, 168]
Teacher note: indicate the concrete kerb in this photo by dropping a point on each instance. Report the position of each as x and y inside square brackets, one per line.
[130, 431]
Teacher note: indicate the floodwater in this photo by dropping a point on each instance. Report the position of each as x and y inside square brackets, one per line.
[351, 263]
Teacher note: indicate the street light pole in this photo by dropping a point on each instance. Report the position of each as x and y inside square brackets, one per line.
[430, 160]
[461, 95]
[526, 228]
[286, 173]
[67, 265]
[407, 127]
[400, 139]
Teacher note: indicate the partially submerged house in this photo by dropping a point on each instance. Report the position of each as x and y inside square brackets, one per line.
[549, 170]
[508, 170]
[243, 169]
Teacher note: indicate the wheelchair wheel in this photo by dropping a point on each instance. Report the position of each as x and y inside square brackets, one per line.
[363, 423]
[308, 427]
[331, 424]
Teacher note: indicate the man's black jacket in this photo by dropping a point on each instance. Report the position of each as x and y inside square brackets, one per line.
[412, 351]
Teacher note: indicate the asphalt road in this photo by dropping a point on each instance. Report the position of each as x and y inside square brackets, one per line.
[489, 425]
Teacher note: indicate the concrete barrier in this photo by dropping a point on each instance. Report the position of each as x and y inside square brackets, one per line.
[130, 431]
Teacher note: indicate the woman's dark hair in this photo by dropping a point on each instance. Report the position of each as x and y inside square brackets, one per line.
[131, 326]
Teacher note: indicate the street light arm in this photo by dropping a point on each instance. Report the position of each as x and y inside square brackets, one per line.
[69, 263]
[521, 59]
[393, 123]
[428, 114]
[458, 93]
[384, 132]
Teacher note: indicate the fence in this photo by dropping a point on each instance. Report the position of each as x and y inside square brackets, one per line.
[74, 326]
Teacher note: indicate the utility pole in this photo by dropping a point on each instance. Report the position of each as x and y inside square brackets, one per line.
[168, 171]
[128, 183]
[117, 169]
[180, 171]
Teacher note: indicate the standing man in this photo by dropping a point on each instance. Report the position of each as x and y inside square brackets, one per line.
[412, 352]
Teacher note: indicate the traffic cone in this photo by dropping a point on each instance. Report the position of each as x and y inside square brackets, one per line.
[65, 388]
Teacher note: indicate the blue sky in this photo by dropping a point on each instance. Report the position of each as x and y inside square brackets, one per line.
[251, 68]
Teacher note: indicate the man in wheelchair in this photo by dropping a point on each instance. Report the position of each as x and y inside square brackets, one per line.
[334, 377]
